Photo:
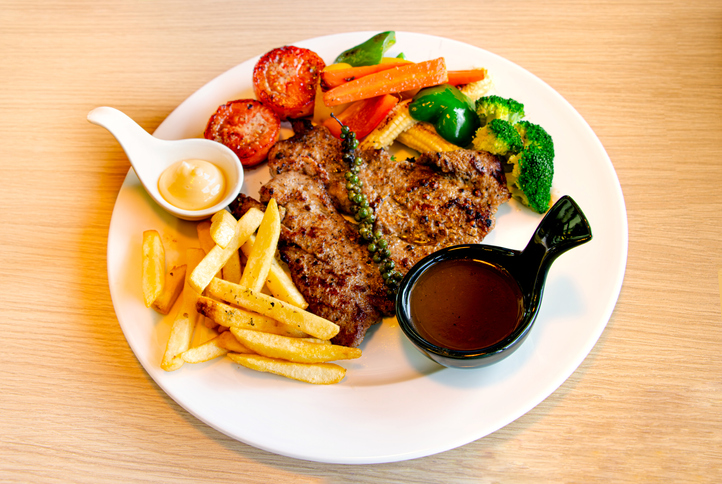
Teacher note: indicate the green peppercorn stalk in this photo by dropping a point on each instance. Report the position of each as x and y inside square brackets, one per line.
[364, 214]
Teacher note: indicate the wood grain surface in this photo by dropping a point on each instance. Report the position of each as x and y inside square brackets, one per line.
[75, 404]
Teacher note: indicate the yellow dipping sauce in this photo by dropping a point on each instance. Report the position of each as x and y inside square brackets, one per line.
[192, 184]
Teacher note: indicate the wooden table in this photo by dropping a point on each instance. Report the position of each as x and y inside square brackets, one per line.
[75, 404]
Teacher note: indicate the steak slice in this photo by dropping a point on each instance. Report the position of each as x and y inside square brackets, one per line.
[422, 205]
[435, 201]
[314, 152]
[328, 264]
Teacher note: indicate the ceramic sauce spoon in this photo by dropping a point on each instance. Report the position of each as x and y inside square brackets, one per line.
[485, 317]
[151, 156]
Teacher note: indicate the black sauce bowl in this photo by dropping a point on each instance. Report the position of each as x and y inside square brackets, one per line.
[563, 227]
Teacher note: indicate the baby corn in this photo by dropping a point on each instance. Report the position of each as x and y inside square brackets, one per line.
[475, 90]
[398, 121]
[422, 137]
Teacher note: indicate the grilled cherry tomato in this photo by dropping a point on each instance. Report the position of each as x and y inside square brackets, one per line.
[285, 79]
[247, 127]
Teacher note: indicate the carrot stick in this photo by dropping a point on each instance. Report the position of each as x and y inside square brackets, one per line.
[396, 79]
[363, 116]
[334, 78]
[457, 78]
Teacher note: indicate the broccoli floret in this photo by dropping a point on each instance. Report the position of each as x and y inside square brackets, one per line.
[530, 181]
[535, 136]
[530, 157]
[498, 137]
[496, 107]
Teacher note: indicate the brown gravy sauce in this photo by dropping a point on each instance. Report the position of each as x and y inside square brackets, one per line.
[465, 304]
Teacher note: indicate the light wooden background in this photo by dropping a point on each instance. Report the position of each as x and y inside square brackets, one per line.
[75, 405]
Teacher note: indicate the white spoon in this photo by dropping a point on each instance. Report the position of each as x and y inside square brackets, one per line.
[150, 156]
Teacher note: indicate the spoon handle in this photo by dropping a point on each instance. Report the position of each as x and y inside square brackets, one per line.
[563, 227]
[136, 141]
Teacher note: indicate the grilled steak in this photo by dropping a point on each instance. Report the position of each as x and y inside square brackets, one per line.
[327, 261]
[421, 205]
[316, 153]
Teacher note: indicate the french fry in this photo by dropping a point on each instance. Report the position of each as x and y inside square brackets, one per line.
[153, 279]
[278, 282]
[178, 341]
[293, 349]
[228, 341]
[204, 331]
[282, 287]
[181, 332]
[264, 249]
[317, 373]
[174, 280]
[288, 314]
[213, 348]
[205, 352]
[223, 225]
[229, 316]
[194, 256]
[231, 270]
[318, 341]
[208, 322]
[203, 228]
[218, 256]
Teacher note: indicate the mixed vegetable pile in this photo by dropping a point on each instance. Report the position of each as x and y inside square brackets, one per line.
[381, 100]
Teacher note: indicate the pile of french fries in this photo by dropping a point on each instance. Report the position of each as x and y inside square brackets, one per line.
[252, 313]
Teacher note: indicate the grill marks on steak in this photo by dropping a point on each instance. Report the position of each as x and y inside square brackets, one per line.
[327, 261]
[422, 205]
[317, 153]
[435, 201]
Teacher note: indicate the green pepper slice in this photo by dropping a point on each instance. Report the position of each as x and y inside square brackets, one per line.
[449, 110]
[370, 52]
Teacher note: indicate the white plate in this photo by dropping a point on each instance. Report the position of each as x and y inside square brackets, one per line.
[394, 403]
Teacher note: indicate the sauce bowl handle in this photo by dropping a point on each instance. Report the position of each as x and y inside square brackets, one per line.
[563, 227]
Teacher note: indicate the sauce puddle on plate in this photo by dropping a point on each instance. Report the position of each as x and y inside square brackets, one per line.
[465, 304]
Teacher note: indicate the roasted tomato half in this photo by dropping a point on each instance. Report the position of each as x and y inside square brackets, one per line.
[247, 127]
[285, 79]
